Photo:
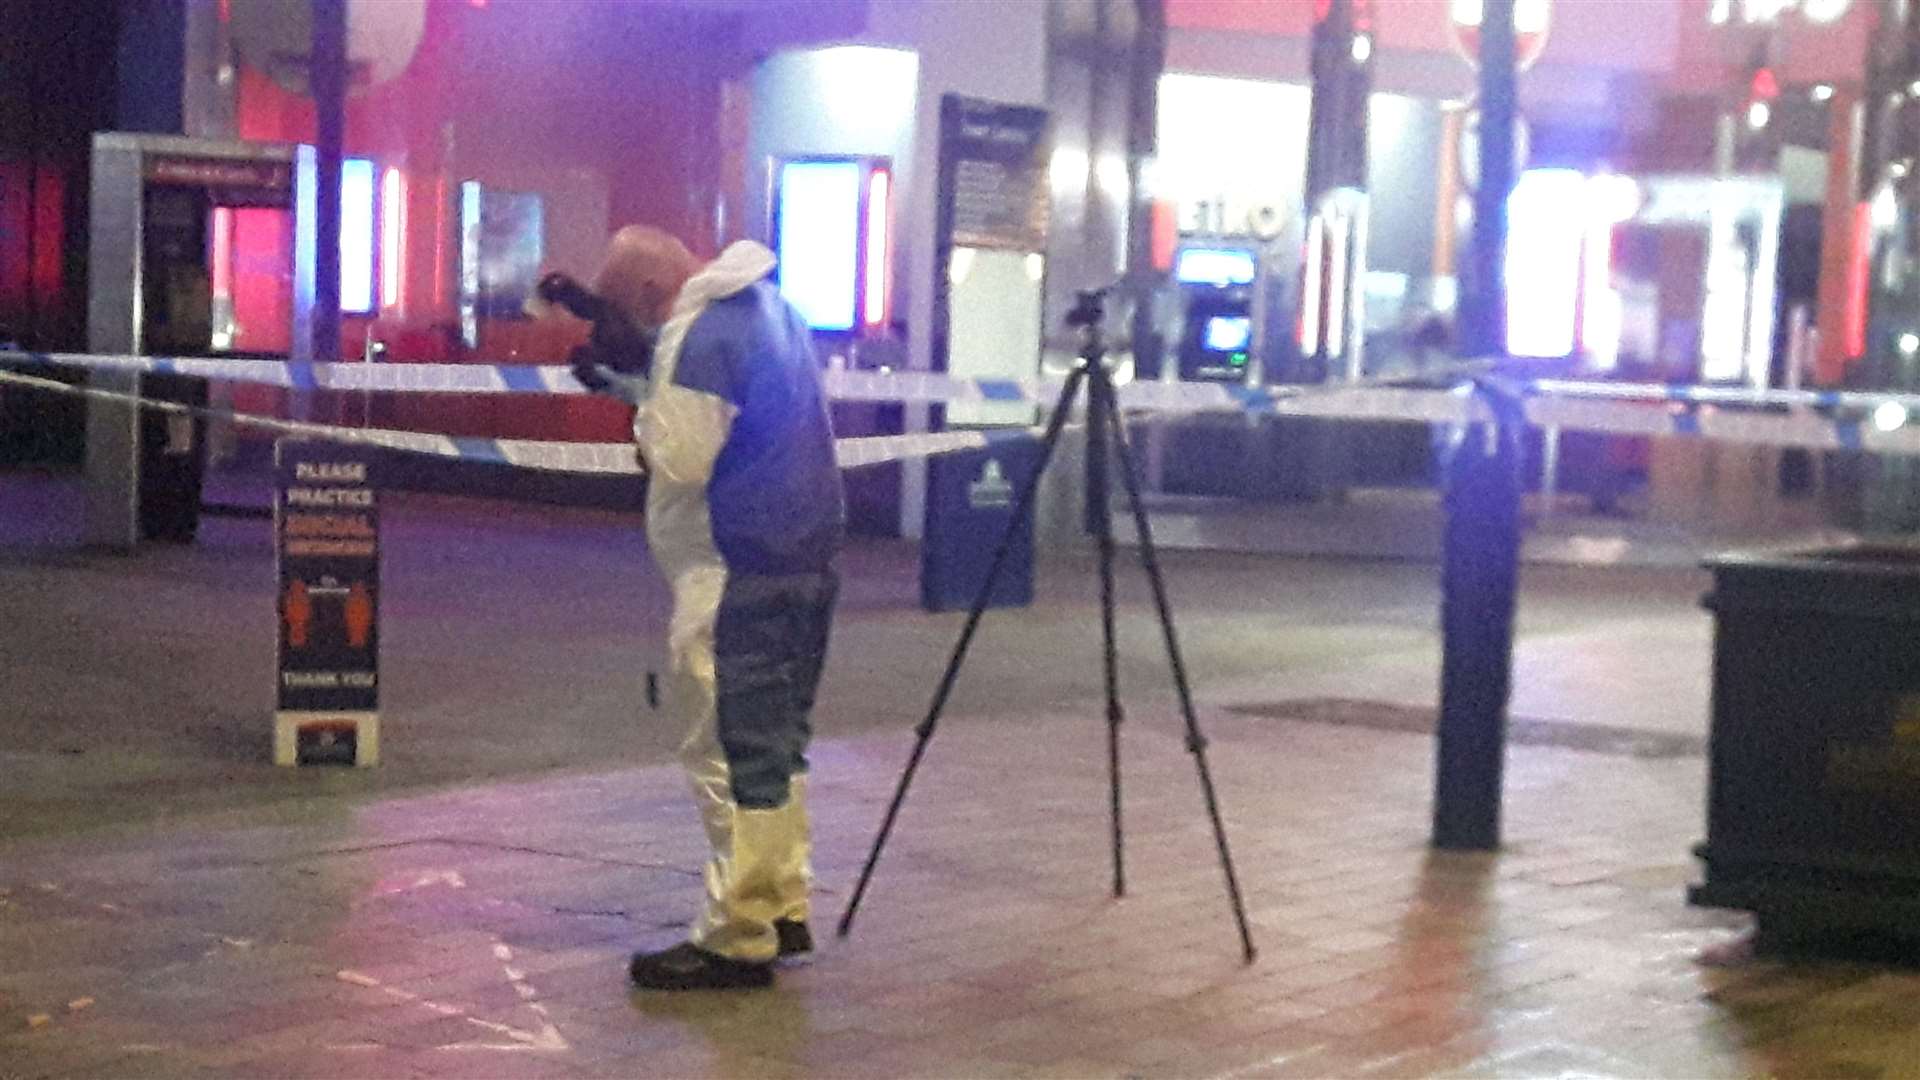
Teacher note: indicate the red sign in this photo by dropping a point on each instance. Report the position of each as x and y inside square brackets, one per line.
[220, 172]
[1530, 18]
[1360, 14]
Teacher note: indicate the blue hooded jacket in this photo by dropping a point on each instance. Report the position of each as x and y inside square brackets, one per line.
[737, 415]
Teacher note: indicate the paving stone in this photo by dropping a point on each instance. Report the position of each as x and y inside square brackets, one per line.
[990, 944]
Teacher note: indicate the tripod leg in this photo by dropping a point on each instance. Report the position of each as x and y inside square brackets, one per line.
[1196, 742]
[1023, 501]
[1100, 518]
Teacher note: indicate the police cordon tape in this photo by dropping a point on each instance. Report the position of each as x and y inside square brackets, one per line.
[911, 387]
[576, 457]
[1785, 418]
[897, 387]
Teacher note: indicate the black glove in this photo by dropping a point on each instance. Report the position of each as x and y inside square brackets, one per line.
[581, 360]
[620, 346]
[562, 290]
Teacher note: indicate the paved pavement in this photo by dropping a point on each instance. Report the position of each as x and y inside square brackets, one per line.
[171, 907]
[516, 638]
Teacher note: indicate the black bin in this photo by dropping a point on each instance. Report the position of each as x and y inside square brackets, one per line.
[970, 502]
[1813, 806]
[173, 459]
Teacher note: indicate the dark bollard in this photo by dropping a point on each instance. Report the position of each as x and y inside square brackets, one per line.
[1479, 581]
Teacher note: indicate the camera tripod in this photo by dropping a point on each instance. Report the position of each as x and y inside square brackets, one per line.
[1106, 431]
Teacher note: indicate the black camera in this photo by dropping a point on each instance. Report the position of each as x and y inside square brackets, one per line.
[563, 291]
[615, 342]
[1089, 307]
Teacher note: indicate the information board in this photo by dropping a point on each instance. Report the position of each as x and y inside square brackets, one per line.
[327, 537]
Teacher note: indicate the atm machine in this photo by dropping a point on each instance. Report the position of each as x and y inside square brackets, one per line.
[1216, 288]
[1218, 336]
[154, 246]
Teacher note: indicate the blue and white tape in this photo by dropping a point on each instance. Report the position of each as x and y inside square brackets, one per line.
[576, 457]
[900, 387]
[912, 387]
[1721, 395]
[387, 378]
[1768, 418]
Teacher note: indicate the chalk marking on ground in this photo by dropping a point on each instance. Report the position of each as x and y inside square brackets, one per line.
[548, 1037]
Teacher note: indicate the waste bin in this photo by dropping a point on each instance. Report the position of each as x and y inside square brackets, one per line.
[1813, 783]
[173, 459]
[970, 497]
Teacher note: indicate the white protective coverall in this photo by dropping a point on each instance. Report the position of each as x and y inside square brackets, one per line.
[744, 516]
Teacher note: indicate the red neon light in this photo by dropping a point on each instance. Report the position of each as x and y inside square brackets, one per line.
[1166, 233]
[1854, 316]
[393, 237]
[878, 275]
[440, 256]
[49, 210]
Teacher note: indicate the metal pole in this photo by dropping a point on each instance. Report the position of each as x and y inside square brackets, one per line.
[1479, 584]
[1336, 185]
[1100, 519]
[1549, 469]
[1483, 303]
[1481, 556]
[328, 80]
[1334, 200]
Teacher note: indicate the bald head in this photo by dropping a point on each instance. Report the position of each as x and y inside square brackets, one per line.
[643, 272]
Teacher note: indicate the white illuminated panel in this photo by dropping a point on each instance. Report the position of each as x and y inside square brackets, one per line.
[356, 235]
[1763, 300]
[1227, 333]
[818, 241]
[470, 263]
[1544, 231]
[1339, 239]
[1214, 266]
[1600, 322]
[1315, 275]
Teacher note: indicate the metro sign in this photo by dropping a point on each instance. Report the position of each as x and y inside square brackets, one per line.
[1530, 18]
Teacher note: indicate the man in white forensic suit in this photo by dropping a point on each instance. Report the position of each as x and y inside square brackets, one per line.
[745, 515]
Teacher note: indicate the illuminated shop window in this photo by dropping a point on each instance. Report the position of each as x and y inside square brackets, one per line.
[358, 213]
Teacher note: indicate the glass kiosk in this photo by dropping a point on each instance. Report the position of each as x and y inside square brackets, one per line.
[155, 241]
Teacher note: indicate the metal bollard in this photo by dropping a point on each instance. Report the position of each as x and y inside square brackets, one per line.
[1479, 581]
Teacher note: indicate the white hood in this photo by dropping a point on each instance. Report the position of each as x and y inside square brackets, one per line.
[743, 263]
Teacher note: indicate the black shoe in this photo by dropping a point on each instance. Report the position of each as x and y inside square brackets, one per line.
[795, 938]
[689, 967]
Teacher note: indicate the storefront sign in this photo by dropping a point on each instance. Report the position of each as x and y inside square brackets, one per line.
[993, 174]
[1232, 216]
[992, 200]
[232, 181]
[327, 530]
[1530, 21]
